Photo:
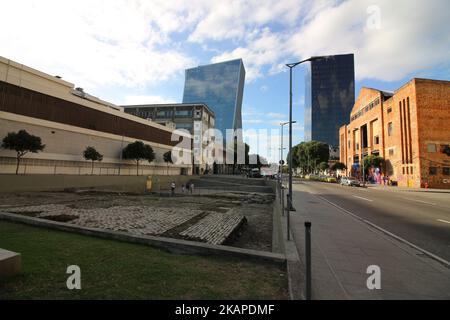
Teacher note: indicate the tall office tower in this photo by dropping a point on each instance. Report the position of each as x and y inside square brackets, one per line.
[329, 97]
[221, 87]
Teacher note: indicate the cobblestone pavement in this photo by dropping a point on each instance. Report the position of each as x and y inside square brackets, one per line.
[214, 227]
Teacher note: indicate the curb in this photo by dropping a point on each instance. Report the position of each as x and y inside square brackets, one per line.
[294, 265]
[172, 245]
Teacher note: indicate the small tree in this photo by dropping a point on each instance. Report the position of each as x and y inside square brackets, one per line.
[22, 142]
[338, 166]
[374, 161]
[168, 159]
[91, 154]
[323, 166]
[138, 151]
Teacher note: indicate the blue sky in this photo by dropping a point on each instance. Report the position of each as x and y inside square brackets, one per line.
[130, 52]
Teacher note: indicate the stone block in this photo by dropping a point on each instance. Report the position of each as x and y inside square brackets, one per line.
[10, 263]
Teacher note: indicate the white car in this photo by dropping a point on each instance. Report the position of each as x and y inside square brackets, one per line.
[349, 181]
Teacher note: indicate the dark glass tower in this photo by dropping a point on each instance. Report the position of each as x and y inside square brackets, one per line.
[221, 87]
[329, 97]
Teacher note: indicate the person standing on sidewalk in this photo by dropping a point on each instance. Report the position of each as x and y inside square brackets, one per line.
[172, 188]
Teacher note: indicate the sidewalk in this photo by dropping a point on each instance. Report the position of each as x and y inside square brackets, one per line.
[343, 247]
[390, 188]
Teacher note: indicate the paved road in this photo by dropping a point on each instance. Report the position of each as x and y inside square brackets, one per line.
[422, 218]
[344, 246]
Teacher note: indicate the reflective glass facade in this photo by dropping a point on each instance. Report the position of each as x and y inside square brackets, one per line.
[221, 87]
[329, 97]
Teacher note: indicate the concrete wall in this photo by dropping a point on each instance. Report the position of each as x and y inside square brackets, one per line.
[44, 182]
[64, 146]
[159, 183]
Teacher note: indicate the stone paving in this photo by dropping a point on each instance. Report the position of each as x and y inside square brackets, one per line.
[214, 228]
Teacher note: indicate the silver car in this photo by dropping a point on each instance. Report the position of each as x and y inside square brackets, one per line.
[349, 181]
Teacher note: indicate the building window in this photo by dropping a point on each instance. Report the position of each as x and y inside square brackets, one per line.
[446, 171]
[164, 114]
[391, 152]
[411, 170]
[433, 171]
[187, 126]
[431, 147]
[357, 146]
[390, 129]
[389, 110]
[376, 140]
[183, 113]
[349, 145]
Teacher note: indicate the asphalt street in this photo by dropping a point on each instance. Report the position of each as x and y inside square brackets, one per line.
[422, 218]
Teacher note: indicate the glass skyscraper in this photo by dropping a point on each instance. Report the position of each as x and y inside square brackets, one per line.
[329, 97]
[221, 87]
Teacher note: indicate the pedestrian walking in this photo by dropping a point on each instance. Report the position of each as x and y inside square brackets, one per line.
[183, 188]
[192, 187]
[172, 188]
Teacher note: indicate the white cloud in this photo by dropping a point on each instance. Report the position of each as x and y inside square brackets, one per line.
[136, 43]
[410, 37]
[276, 115]
[145, 99]
[265, 49]
[235, 19]
[91, 43]
[252, 121]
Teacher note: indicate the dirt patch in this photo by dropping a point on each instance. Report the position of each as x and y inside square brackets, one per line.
[60, 218]
[28, 214]
[256, 233]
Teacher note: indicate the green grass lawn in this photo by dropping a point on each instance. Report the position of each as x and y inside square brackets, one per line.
[118, 270]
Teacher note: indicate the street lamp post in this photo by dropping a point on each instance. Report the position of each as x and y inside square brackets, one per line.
[282, 124]
[291, 66]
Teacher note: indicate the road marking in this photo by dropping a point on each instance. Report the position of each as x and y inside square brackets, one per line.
[431, 255]
[363, 198]
[430, 203]
[444, 221]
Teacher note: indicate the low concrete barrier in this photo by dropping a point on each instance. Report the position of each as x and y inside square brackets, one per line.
[49, 182]
[169, 244]
[10, 263]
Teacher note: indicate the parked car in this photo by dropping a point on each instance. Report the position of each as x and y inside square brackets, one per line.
[331, 179]
[255, 173]
[349, 181]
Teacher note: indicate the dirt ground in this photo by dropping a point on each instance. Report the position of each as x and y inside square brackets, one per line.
[257, 208]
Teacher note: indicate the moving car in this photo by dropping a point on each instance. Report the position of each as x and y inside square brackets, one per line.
[349, 181]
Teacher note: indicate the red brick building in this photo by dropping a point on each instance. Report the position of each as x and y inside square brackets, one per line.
[409, 128]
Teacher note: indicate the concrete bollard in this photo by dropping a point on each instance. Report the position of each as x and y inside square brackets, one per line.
[308, 259]
[288, 213]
